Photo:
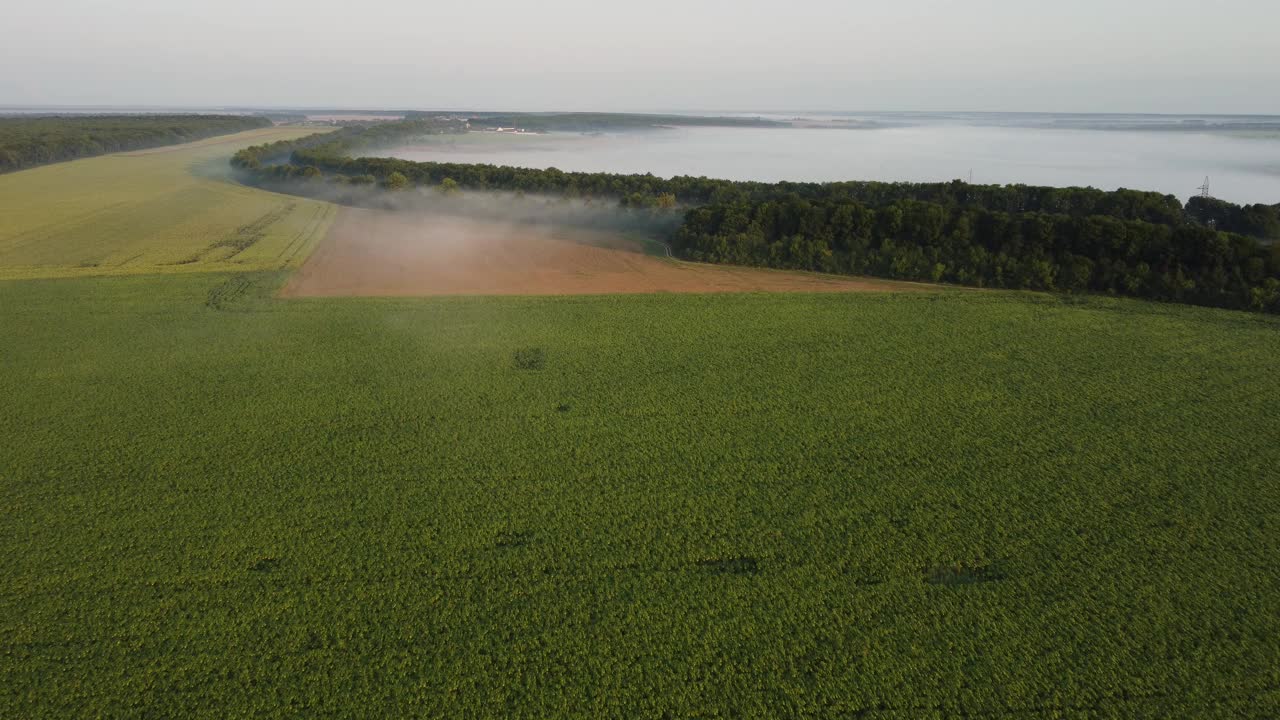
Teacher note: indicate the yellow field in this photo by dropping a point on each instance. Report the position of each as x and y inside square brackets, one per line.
[168, 209]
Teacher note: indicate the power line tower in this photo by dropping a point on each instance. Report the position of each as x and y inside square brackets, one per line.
[1204, 189]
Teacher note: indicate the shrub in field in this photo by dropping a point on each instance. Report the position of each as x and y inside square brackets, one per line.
[740, 565]
[962, 574]
[512, 539]
[396, 181]
[530, 359]
[265, 564]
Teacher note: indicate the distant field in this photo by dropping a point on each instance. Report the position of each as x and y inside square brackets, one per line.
[158, 210]
[218, 504]
[372, 252]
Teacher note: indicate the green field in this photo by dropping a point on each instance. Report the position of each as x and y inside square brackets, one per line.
[219, 503]
[162, 210]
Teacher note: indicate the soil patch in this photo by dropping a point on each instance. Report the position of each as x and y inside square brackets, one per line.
[382, 253]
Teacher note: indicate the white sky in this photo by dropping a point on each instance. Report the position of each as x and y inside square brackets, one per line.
[1001, 55]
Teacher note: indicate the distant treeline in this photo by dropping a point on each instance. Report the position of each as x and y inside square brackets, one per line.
[601, 122]
[1125, 242]
[29, 141]
[267, 159]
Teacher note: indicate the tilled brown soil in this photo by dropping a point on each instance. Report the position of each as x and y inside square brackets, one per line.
[380, 253]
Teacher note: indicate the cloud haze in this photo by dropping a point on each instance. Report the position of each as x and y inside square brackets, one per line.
[1085, 55]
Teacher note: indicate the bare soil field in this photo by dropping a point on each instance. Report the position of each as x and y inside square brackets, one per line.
[382, 253]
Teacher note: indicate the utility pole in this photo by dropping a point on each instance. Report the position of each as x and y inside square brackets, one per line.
[1204, 189]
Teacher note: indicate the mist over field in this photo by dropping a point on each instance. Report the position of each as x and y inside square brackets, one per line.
[516, 209]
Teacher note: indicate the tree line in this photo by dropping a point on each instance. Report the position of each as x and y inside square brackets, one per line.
[646, 189]
[918, 240]
[270, 158]
[1124, 242]
[604, 122]
[28, 141]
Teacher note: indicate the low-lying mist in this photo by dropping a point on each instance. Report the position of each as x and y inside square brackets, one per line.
[498, 206]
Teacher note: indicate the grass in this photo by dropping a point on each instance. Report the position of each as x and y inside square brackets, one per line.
[218, 504]
[153, 211]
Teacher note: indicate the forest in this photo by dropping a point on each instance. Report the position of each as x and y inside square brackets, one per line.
[1122, 242]
[28, 141]
[917, 240]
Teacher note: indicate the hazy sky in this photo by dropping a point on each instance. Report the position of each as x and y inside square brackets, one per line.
[1033, 55]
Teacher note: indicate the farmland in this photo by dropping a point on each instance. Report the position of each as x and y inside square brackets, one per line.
[159, 210]
[1122, 242]
[227, 494]
[221, 503]
[373, 252]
